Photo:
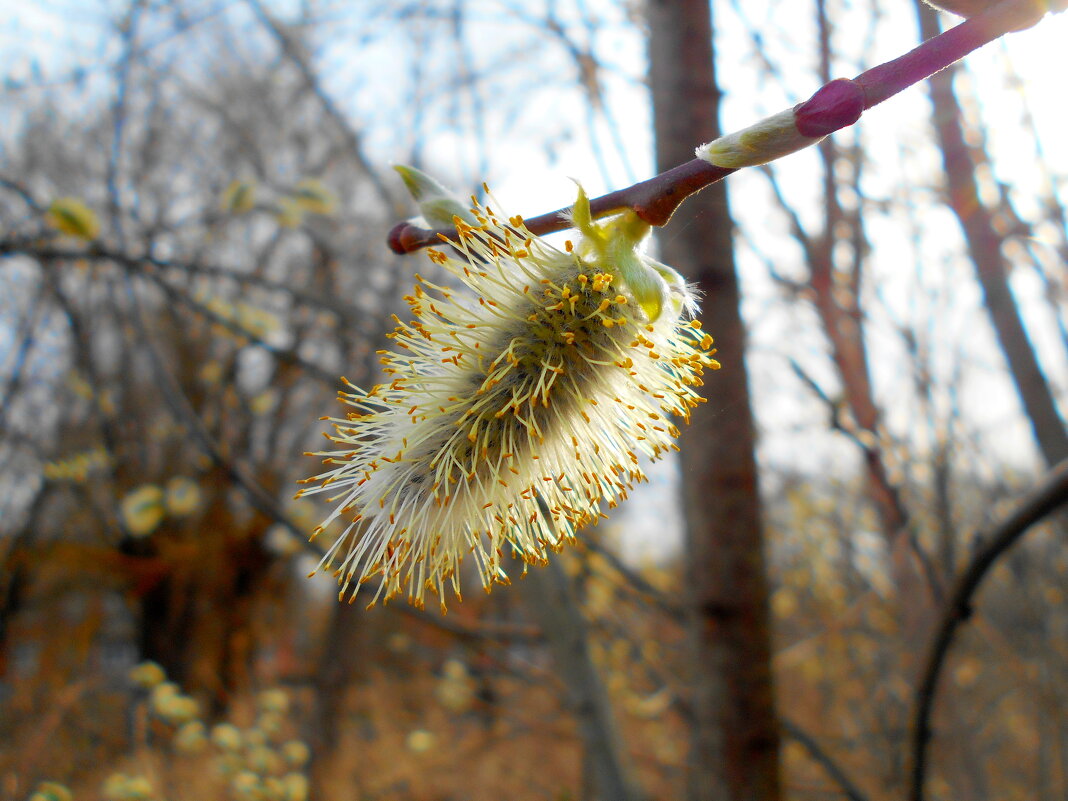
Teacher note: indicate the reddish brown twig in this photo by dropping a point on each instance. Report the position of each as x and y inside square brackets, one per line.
[838, 104]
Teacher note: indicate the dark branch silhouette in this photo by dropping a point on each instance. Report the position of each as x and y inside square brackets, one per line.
[1049, 496]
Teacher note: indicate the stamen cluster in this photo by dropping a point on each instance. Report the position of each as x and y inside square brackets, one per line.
[511, 412]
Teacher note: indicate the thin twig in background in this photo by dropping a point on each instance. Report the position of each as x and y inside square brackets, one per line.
[1051, 494]
[25, 337]
[34, 248]
[635, 581]
[835, 771]
[353, 139]
[134, 263]
[284, 355]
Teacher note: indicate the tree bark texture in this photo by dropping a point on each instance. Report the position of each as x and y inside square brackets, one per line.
[991, 267]
[734, 751]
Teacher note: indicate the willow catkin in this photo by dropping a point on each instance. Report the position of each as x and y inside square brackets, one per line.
[512, 412]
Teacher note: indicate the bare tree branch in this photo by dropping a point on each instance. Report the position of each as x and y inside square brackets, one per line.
[25, 339]
[294, 53]
[552, 598]
[1051, 494]
[635, 580]
[135, 263]
[284, 355]
[35, 249]
[984, 244]
[836, 105]
[824, 759]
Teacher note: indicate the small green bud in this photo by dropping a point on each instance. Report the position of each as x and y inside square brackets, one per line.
[72, 217]
[436, 203]
[613, 247]
[769, 139]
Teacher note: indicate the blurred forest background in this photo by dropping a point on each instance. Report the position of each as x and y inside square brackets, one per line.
[902, 345]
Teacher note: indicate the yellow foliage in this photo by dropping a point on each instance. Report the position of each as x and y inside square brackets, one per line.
[263, 403]
[191, 737]
[226, 736]
[120, 787]
[455, 690]
[650, 706]
[295, 753]
[212, 372]
[248, 318]
[276, 701]
[294, 787]
[147, 674]
[652, 652]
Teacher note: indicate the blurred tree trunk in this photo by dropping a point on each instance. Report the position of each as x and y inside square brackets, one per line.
[552, 600]
[734, 752]
[340, 665]
[991, 268]
[198, 620]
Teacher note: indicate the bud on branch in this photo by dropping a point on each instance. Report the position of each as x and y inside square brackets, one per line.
[836, 105]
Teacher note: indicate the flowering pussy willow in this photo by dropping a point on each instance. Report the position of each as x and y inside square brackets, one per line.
[514, 411]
